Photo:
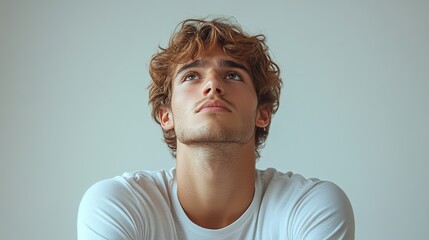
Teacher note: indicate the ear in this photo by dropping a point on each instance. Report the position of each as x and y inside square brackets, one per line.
[263, 117]
[165, 117]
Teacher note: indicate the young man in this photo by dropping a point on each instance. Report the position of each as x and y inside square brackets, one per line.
[214, 91]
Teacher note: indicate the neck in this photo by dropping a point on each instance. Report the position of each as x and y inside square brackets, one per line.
[215, 183]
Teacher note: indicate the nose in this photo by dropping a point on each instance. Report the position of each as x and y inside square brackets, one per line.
[213, 86]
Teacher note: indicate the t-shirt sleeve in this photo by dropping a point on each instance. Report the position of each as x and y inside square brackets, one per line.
[324, 212]
[106, 211]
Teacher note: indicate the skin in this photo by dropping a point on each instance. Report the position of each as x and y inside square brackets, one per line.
[214, 111]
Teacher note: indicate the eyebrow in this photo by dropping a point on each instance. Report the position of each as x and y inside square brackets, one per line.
[221, 63]
[194, 64]
[232, 64]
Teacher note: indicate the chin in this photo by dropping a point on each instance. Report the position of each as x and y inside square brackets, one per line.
[214, 135]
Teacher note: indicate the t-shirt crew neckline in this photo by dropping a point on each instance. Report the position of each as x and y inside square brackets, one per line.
[188, 225]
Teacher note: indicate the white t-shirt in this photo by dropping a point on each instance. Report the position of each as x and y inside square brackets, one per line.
[144, 205]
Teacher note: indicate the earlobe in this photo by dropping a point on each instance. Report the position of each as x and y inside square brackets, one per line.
[263, 117]
[165, 118]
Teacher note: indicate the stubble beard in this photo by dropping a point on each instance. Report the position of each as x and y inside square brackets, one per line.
[213, 136]
[217, 143]
[216, 135]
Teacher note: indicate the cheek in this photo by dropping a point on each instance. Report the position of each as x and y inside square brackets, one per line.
[181, 101]
[246, 96]
[185, 92]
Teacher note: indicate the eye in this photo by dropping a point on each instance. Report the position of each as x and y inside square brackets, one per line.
[191, 76]
[233, 76]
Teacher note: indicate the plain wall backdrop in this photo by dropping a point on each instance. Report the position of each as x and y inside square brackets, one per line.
[354, 107]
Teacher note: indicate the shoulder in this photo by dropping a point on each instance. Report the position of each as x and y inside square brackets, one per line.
[286, 182]
[118, 207]
[324, 210]
[297, 186]
[312, 208]
[128, 187]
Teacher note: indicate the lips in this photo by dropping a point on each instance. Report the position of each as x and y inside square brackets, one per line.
[213, 105]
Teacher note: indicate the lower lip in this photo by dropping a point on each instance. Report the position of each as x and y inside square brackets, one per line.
[214, 109]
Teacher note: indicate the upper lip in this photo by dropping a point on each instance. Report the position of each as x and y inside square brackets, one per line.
[213, 103]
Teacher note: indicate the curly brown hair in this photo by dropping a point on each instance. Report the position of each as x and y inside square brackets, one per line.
[198, 35]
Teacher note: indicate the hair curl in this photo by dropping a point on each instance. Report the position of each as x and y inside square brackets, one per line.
[198, 35]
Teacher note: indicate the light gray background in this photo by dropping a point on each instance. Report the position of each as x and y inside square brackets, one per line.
[73, 103]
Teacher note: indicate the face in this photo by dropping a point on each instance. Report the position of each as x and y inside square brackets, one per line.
[213, 101]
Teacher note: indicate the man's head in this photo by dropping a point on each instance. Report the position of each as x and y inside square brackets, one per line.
[199, 37]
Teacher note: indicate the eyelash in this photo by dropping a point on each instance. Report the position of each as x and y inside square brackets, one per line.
[196, 75]
[190, 74]
[236, 75]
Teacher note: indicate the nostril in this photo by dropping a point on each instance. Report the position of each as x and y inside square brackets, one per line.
[207, 90]
[213, 88]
